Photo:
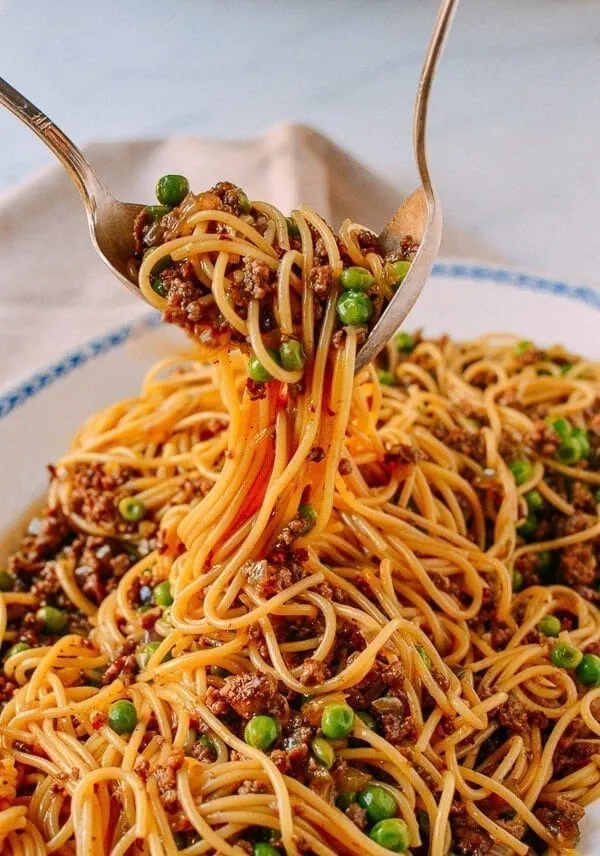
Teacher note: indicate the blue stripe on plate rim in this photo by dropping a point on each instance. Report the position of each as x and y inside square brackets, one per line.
[41, 380]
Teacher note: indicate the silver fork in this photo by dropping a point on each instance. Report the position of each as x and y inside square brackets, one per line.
[419, 216]
[111, 222]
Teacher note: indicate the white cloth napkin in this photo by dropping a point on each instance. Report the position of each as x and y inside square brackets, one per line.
[55, 292]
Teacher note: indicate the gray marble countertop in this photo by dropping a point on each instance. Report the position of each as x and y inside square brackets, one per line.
[515, 130]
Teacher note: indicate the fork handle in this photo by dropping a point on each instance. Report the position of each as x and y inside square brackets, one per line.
[83, 176]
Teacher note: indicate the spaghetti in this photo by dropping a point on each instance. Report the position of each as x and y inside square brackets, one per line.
[273, 607]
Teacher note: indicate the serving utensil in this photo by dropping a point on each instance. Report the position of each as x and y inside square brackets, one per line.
[419, 216]
[111, 222]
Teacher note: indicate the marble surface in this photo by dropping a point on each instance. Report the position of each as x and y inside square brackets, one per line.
[515, 127]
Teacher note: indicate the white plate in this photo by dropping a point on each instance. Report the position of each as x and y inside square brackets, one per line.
[39, 416]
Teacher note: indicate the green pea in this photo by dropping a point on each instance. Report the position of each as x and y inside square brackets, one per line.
[157, 212]
[517, 581]
[423, 821]
[522, 347]
[208, 743]
[161, 265]
[291, 354]
[528, 527]
[243, 202]
[323, 752]
[261, 732]
[7, 581]
[544, 561]
[354, 308]
[218, 672]
[391, 834]
[569, 451]
[404, 342]
[257, 371]
[401, 267]
[356, 279]
[423, 655]
[522, 470]
[584, 441]
[149, 650]
[180, 840]
[588, 671]
[293, 230]
[560, 425]
[367, 720]
[308, 513]
[386, 378]
[263, 848]
[534, 500]
[122, 716]
[158, 286]
[565, 656]
[342, 801]
[337, 721]
[54, 620]
[565, 368]
[597, 496]
[132, 509]
[94, 676]
[18, 648]
[162, 594]
[377, 802]
[550, 625]
[172, 189]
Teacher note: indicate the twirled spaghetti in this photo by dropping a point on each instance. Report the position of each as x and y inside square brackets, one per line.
[308, 612]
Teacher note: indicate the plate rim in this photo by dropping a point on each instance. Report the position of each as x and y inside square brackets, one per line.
[16, 396]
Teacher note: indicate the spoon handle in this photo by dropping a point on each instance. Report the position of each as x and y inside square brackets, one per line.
[85, 179]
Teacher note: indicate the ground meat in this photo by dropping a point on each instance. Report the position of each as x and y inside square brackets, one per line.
[403, 453]
[357, 815]
[500, 636]
[345, 467]
[512, 715]
[578, 564]
[250, 695]
[7, 688]
[543, 440]
[35, 548]
[292, 761]
[98, 720]
[269, 579]
[468, 443]
[582, 497]
[256, 390]
[141, 225]
[93, 493]
[316, 454]
[166, 779]
[468, 837]
[561, 819]
[314, 672]
[124, 666]
[367, 241]
[250, 786]
[253, 281]
[572, 754]
[527, 565]
[321, 279]
[338, 339]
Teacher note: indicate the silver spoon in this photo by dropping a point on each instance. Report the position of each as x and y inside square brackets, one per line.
[111, 222]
